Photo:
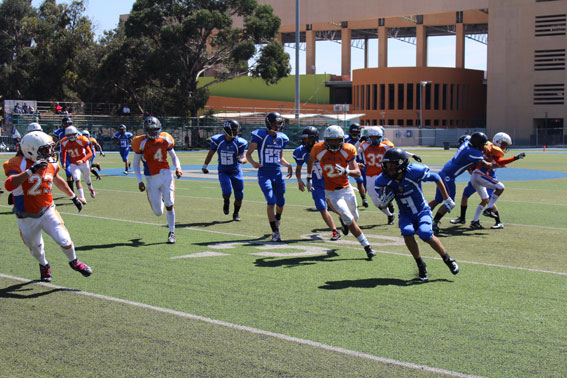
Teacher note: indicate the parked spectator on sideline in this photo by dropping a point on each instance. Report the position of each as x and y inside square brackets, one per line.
[25, 109]
[17, 108]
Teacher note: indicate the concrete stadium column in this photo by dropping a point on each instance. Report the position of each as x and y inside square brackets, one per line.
[421, 48]
[365, 52]
[346, 34]
[382, 46]
[310, 51]
[460, 48]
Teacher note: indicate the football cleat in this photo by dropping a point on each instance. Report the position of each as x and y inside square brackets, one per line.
[236, 217]
[489, 212]
[226, 207]
[364, 202]
[453, 267]
[370, 253]
[336, 236]
[422, 275]
[80, 267]
[45, 271]
[458, 220]
[435, 228]
[497, 226]
[475, 225]
[83, 200]
[171, 238]
[391, 219]
[93, 194]
[276, 237]
[344, 227]
[125, 172]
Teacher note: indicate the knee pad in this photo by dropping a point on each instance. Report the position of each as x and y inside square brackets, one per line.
[424, 234]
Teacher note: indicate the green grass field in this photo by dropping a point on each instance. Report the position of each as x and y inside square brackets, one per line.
[225, 302]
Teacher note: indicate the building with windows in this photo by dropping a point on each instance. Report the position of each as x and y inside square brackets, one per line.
[522, 92]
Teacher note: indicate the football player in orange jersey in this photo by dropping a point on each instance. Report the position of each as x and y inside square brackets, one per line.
[482, 179]
[95, 146]
[30, 178]
[152, 150]
[337, 160]
[76, 153]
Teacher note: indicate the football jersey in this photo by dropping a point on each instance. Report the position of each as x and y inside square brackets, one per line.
[372, 156]
[33, 196]
[327, 159]
[228, 152]
[123, 139]
[301, 157]
[355, 143]
[93, 142]
[408, 193]
[153, 151]
[466, 157]
[269, 148]
[79, 149]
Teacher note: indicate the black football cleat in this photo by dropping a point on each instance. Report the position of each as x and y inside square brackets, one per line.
[80, 267]
[45, 271]
[370, 253]
[344, 227]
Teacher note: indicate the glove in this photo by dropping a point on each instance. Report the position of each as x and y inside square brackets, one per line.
[520, 156]
[204, 168]
[384, 198]
[309, 185]
[342, 170]
[38, 165]
[417, 158]
[102, 154]
[78, 204]
[449, 204]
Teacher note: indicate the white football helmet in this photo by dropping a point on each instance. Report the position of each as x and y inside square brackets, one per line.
[502, 140]
[334, 138]
[34, 126]
[152, 127]
[71, 133]
[86, 133]
[37, 145]
[375, 134]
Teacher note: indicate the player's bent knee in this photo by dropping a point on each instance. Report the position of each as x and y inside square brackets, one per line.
[425, 235]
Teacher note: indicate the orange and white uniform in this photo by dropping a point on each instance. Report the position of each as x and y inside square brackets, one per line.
[34, 207]
[338, 192]
[77, 150]
[159, 179]
[483, 178]
[372, 156]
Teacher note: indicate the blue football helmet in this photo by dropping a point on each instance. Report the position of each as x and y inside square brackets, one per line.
[152, 127]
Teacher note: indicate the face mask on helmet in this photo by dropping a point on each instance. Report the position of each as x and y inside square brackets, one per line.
[71, 133]
[274, 121]
[231, 128]
[47, 152]
[152, 127]
[66, 122]
[395, 163]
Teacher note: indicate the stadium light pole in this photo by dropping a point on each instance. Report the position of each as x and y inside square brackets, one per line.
[421, 85]
[296, 59]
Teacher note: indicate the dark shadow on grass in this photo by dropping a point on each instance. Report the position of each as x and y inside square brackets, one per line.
[374, 282]
[203, 224]
[272, 262]
[15, 290]
[261, 240]
[6, 213]
[133, 243]
[464, 230]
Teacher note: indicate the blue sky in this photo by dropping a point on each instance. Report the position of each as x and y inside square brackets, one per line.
[441, 50]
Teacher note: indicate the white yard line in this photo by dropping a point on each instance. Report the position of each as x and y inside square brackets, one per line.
[257, 331]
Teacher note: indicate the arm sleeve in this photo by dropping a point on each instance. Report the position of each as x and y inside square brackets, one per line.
[505, 161]
[174, 159]
[136, 164]
[431, 176]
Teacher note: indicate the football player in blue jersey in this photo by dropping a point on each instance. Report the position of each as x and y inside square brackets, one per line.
[58, 135]
[353, 138]
[270, 143]
[122, 139]
[230, 148]
[402, 181]
[315, 183]
[468, 156]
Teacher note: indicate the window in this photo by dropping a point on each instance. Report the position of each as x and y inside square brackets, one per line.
[400, 96]
[436, 97]
[374, 122]
[391, 122]
[444, 96]
[427, 96]
[549, 60]
[391, 96]
[419, 94]
[427, 122]
[400, 122]
[409, 98]
[374, 96]
[435, 122]
[368, 97]
[444, 122]
[458, 99]
[382, 96]
[362, 97]
[409, 122]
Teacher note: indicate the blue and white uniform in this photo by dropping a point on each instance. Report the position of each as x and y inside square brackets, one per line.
[414, 212]
[301, 157]
[124, 143]
[230, 170]
[359, 159]
[60, 134]
[466, 157]
[270, 177]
